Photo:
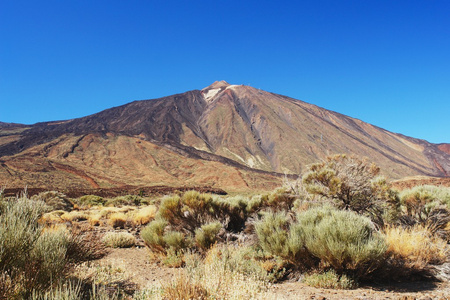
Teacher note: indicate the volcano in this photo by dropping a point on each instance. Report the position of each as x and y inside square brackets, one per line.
[234, 137]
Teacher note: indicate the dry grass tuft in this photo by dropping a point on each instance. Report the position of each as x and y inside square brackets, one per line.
[75, 216]
[52, 217]
[144, 215]
[184, 288]
[118, 220]
[416, 246]
[119, 239]
[94, 219]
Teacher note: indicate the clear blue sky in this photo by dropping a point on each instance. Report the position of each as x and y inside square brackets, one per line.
[384, 62]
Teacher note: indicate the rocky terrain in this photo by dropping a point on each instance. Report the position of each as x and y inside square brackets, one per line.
[226, 136]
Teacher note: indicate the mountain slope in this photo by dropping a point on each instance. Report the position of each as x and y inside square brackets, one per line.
[222, 126]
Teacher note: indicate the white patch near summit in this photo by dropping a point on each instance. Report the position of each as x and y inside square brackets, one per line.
[211, 94]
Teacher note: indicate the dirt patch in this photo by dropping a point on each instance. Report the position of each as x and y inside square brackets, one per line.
[138, 267]
[140, 270]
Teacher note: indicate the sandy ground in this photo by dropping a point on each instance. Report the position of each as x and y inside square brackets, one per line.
[139, 269]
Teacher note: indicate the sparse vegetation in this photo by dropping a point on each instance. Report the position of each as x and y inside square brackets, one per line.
[354, 184]
[340, 224]
[144, 215]
[119, 239]
[330, 280]
[90, 200]
[55, 200]
[32, 258]
[206, 235]
[118, 220]
[413, 249]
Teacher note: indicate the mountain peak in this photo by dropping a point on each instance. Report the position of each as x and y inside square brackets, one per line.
[217, 85]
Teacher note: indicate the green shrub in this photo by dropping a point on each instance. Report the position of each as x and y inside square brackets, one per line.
[330, 280]
[173, 259]
[254, 204]
[278, 236]
[427, 206]
[353, 184]
[194, 209]
[49, 256]
[29, 258]
[206, 236]
[153, 235]
[176, 241]
[119, 239]
[280, 199]
[247, 261]
[19, 231]
[127, 200]
[170, 210]
[91, 200]
[342, 239]
[55, 200]
[272, 232]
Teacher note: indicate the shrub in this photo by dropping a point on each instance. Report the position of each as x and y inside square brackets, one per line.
[246, 261]
[342, 239]
[173, 259]
[118, 220]
[184, 288]
[221, 281]
[353, 184]
[194, 209]
[94, 219]
[277, 236]
[144, 215]
[126, 200]
[55, 200]
[19, 231]
[29, 258]
[415, 248]
[74, 216]
[281, 199]
[84, 245]
[119, 239]
[52, 217]
[90, 200]
[153, 234]
[49, 253]
[272, 234]
[206, 235]
[330, 280]
[428, 206]
[176, 241]
[170, 210]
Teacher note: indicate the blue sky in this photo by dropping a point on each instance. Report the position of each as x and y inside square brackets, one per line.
[384, 62]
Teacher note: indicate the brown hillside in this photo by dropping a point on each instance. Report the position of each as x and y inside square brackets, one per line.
[230, 136]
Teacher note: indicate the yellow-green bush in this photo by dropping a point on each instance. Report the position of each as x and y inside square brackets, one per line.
[206, 235]
[343, 240]
[30, 258]
[176, 241]
[55, 200]
[90, 200]
[153, 235]
[330, 280]
[327, 237]
[119, 239]
[352, 183]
